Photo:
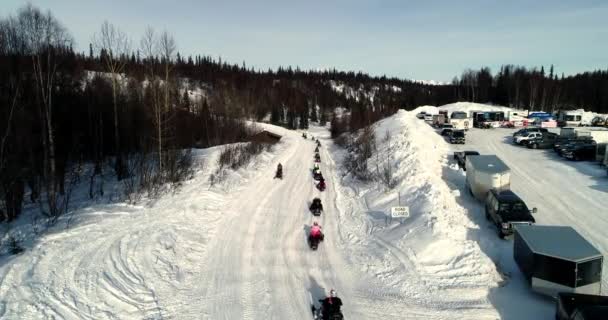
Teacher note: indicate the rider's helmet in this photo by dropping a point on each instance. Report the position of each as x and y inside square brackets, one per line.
[315, 223]
[333, 293]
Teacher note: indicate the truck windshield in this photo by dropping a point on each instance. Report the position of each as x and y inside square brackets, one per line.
[513, 211]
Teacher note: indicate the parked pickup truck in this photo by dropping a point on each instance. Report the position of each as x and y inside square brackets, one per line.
[446, 129]
[576, 306]
[563, 141]
[580, 151]
[457, 137]
[461, 157]
[522, 139]
[544, 142]
[505, 209]
[529, 130]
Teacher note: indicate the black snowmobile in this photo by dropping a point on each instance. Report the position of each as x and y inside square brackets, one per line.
[317, 314]
[318, 143]
[317, 175]
[316, 207]
[321, 184]
[279, 173]
[317, 149]
[313, 243]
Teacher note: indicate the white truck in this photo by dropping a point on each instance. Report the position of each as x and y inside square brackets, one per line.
[460, 120]
[486, 172]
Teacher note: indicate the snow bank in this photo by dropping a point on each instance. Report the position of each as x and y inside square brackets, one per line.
[430, 257]
[119, 261]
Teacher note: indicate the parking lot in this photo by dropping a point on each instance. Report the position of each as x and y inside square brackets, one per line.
[570, 193]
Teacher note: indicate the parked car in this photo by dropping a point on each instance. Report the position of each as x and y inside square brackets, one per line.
[546, 141]
[461, 157]
[520, 139]
[577, 306]
[457, 137]
[504, 208]
[528, 130]
[421, 115]
[561, 142]
[580, 151]
[447, 129]
[428, 117]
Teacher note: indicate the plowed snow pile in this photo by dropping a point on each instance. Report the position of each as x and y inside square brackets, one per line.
[429, 260]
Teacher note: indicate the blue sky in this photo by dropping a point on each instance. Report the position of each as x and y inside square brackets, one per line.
[433, 39]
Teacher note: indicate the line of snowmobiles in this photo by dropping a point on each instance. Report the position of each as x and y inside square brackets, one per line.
[329, 308]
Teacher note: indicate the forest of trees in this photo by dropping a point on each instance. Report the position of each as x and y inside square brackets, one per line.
[535, 89]
[126, 104]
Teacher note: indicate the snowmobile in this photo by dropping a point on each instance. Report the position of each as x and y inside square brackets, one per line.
[317, 149]
[317, 314]
[279, 173]
[318, 143]
[321, 185]
[304, 136]
[313, 243]
[316, 207]
[317, 175]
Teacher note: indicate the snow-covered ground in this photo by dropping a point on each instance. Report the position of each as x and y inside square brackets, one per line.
[237, 250]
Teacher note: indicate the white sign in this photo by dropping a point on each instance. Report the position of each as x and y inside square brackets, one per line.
[400, 212]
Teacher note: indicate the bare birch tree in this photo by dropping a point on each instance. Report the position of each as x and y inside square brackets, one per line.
[43, 35]
[114, 46]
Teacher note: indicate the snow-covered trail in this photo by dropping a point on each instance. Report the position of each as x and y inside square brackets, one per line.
[260, 265]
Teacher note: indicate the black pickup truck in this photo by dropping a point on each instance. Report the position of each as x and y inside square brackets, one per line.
[505, 209]
[461, 157]
[457, 137]
[575, 306]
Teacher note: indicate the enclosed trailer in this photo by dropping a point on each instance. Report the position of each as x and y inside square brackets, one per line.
[438, 120]
[557, 259]
[460, 120]
[571, 132]
[576, 306]
[484, 173]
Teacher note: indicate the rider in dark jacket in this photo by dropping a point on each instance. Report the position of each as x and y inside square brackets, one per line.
[331, 305]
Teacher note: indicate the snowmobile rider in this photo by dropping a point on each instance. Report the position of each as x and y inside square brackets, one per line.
[321, 182]
[316, 204]
[315, 232]
[279, 173]
[331, 305]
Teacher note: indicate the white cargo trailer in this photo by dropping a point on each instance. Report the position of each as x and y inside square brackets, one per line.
[484, 173]
[460, 120]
